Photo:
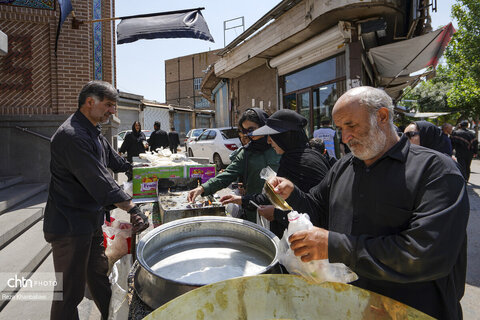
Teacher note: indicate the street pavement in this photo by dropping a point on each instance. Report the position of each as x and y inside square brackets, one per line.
[471, 299]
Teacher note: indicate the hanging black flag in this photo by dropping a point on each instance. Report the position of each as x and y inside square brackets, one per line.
[65, 9]
[175, 24]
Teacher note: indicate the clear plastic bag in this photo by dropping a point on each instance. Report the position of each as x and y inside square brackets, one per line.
[118, 309]
[315, 271]
[128, 188]
[117, 236]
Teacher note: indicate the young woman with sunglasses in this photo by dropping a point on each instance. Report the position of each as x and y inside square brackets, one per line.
[255, 155]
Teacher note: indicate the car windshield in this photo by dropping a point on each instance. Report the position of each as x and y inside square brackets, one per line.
[196, 133]
[231, 133]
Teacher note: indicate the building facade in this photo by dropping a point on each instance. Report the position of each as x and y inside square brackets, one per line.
[183, 79]
[38, 88]
[308, 52]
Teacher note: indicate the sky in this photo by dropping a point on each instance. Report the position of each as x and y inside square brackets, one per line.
[141, 64]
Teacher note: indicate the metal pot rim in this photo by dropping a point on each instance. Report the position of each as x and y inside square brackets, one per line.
[177, 223]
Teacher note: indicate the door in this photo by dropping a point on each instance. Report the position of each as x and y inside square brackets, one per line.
[303, 101]
[324, 98]
[199, 146]
[209, 145]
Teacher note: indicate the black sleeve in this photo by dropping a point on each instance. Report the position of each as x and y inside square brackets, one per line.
[259, 198]
[474, 143]
[315, 202]
[92, 174]
[425, 250]
[281, 217]
[125, 144]
[150, 140]
[115, 162]
[164, 140]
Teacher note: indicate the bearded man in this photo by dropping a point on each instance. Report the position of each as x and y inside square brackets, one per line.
[393, 212]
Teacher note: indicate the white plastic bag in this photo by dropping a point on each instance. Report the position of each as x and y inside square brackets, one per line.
[118, 309]
[316, 271]
[117, 238]
[128, 188]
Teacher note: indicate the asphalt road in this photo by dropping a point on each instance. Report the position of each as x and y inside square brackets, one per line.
[471, 299]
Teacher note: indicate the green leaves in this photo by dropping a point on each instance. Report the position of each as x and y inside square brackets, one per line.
[456, 86]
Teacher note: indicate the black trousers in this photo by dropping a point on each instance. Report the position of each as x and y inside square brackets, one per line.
[82, 261]
[465, 161]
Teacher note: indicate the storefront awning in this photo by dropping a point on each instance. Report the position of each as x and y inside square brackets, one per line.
[426, 114]
[405, 57]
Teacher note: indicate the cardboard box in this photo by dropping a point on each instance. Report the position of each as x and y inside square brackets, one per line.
[203, 172]
[145, 179]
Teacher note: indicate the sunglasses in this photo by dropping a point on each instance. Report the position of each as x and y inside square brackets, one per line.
[248, 130]
[411, 134]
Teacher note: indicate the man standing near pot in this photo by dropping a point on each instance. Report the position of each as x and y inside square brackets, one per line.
[80, 189]
[393, 212]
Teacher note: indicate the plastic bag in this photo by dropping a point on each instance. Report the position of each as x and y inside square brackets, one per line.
[117, 238]
[128, 188]
[267, 173]
[118, 308]
[315, 271]
[233, 210]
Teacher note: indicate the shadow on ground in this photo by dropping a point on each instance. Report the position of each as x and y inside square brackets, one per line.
[473, 231]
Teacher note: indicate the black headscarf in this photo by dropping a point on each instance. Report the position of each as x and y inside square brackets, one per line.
[134, 131]
[302, 165]
[431, 136]
[259, 145]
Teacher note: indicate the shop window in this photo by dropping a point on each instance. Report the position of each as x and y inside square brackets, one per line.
[325, 71]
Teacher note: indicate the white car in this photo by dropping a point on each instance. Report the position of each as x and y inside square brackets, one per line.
[121, 136]
[215, 144]
[191, 135]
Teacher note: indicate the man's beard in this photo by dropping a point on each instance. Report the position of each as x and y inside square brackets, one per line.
[105, 119]
[371, 145]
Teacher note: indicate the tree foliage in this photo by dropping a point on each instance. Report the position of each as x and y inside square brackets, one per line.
[456, 86]
[463, 59]
[430, 96]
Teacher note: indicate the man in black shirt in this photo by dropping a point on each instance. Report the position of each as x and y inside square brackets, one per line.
[173, 139]
[80, 189]
[158, 138]
[465, 145]
[393, 212]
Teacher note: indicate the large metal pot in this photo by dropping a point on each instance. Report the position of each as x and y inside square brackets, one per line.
[188, 253]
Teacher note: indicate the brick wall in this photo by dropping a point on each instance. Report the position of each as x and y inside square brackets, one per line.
[258, 84]
[35, 81]
[179, 83]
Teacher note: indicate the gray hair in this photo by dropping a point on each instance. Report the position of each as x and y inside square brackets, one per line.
[99, 90]
[373, 99]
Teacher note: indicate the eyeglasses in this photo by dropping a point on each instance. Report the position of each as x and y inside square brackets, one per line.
[411, 134]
